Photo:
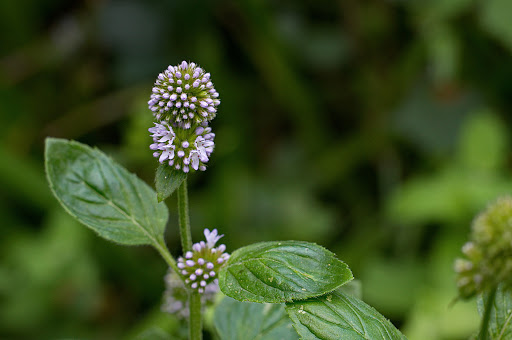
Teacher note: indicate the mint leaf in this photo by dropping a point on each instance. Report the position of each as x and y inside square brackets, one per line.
[235, 320]
[337, 316]
[103, 195]
[282, 271]
[500, 323]
[167, 180]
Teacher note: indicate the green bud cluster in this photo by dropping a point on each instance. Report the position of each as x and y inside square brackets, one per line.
[488, 254]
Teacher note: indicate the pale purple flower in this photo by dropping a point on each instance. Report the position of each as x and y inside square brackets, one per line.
[206, 261]
[211, 237]
[175, 87]
[185, 149]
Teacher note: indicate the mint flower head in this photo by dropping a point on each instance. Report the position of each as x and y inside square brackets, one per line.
[185, 149]
[176, 296]
[201, 265]
[488, 254]
[185, 95]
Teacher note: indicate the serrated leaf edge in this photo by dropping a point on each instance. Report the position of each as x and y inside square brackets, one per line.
[50, 140]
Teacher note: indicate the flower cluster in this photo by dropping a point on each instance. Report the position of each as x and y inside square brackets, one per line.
[183, 102]
[176, 295]
[200, 266]
[488, 254]
[181, 148]
[184, 93]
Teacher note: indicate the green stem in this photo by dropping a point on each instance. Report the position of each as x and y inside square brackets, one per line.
[489, 303]
[195, 325]
[194, 298]
[186, 239]
[162, 249]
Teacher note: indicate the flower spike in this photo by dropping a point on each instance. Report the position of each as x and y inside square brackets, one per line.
[184, 95]
[201, 269]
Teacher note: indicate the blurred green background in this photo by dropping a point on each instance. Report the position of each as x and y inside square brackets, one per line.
[375, 128]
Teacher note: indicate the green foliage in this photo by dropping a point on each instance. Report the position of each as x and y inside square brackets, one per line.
[167, 180]
[465, 185]
[236, 320]
[103, 195]
[495, 18]
[339, 316]
[500, 326]
[483, 142]
[282, 271]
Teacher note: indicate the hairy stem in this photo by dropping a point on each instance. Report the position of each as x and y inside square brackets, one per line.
[195, 325]
[489, 303]
[194, 298]
[186, 239]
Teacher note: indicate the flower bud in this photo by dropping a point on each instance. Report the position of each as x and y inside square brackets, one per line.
[488, 254]
[206, 262]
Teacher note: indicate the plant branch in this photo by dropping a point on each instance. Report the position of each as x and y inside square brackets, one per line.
[186, 239]
[194, 298]
[195, 325]
[489, 303]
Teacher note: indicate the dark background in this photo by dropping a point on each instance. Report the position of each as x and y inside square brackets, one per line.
[375, 128]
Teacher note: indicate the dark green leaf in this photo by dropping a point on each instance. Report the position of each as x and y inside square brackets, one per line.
[167, 180]
[236, 320]
[500, 324]
[282, 271]
[103, 195]
[337, 316]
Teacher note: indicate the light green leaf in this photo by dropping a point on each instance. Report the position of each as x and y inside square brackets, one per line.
[167, 180]
[103, 195]
[500, 324]
[282, 271]
[235, 320]
[337, 316]
[483, 144]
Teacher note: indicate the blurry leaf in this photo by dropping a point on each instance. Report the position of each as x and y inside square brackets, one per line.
[391, 284]
[444, 50]
[461, 188]
[23, 180]
[155, 325]
[483, 142]
[167, 180]
[436, 197]
[495, 18]
[236, 320]
[433, 314]
[154, 333]
[103, 195]
[339, 316]
[500, 324]
[282, 271]
[434, 11]
[35, 292]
